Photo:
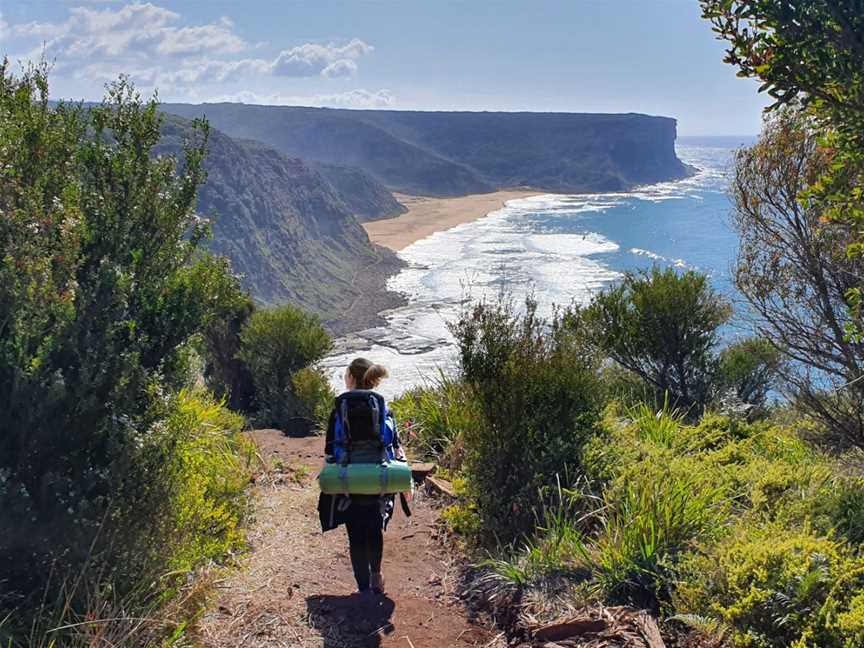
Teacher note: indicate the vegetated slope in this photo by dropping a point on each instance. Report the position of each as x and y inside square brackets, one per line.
[364, 196]
[456, 153]
[284, 228]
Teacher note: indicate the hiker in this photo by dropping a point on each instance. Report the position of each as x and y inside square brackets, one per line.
[365, 516]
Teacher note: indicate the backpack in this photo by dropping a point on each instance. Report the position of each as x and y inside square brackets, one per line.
[364, 429]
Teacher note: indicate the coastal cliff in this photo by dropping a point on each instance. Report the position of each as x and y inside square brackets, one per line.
[460, 153]
[287, 232]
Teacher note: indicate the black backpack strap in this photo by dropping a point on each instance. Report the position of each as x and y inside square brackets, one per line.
[375, 407]
[403, 501]
[346, 432]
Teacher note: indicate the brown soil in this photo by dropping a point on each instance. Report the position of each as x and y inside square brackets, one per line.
[295, 587]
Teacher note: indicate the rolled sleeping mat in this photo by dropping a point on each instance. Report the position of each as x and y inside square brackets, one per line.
[366, 478]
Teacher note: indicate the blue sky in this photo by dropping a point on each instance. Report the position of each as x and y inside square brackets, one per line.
[651, 56]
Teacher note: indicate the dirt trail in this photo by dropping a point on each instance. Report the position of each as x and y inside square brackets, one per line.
[295, 587]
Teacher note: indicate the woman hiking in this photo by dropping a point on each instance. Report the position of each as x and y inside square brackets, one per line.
[355, 417]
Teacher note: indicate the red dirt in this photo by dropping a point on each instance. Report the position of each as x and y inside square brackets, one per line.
[295, 588]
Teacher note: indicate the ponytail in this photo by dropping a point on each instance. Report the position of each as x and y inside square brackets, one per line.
[367, 375]
[373, 376]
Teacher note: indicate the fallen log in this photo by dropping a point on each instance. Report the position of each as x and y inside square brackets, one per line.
[648, 627]
[601, 627]
[420, 471]
[568, 629]
[441, 486]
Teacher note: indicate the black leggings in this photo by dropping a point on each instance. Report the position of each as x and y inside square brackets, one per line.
[366, 546]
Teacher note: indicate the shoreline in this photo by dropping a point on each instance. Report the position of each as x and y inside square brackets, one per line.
[427, 215]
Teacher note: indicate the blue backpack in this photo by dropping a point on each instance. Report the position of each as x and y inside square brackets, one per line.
[364, 427]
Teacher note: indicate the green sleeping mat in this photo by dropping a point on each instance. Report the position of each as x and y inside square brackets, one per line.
[365, 478]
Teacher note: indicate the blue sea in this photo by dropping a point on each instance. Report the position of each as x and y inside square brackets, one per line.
[559, 248]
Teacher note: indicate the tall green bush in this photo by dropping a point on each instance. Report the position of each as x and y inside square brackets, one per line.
[275, 344]
[203, 480]
[537, 388]
[663, 326]
[748, 369]
[102, 286]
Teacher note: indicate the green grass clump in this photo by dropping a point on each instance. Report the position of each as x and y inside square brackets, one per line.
[435, 418]
[314, 395]
[660, 428]
[650, 523]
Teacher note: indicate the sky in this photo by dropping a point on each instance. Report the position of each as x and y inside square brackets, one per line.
[649, 56]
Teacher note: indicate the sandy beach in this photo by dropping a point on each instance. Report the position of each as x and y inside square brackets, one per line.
[427, 215]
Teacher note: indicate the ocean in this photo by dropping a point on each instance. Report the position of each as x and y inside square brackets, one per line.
[558, 248]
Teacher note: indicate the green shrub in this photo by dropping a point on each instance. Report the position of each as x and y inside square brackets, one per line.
[714, 431]
[628, 389]
[212, 466]
[663, 326]
[102, 287]
[203, 467]
[276, 343]
[733, 526]
[841, 501]
[462, 518]
[436, 418]
[539, 395]
[777, 587]
[748, 369]
[314, 395]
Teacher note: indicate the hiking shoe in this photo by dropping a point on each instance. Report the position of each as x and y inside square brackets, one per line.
[376, 582]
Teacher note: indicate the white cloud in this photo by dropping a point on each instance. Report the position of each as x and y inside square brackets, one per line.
[358, 98]
[195, 40]
[152, 45]
[340, 68]
[327, 60]
[131, 35]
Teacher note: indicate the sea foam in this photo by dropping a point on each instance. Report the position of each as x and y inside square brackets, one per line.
[560, 249]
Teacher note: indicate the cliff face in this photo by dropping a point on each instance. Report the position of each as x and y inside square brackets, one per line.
[285, 229]
[562, 152]
[456, 153]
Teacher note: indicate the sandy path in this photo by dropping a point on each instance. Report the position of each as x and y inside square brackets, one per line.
[427, 215]
[295, 587]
